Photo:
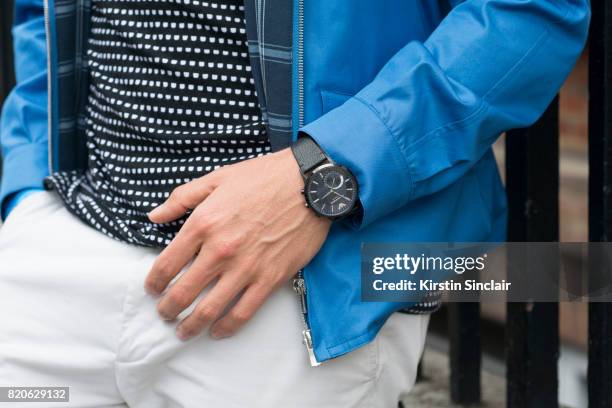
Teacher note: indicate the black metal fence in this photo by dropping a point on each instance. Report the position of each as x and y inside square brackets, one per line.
[600, 199]
[7, 72]
[532, 181]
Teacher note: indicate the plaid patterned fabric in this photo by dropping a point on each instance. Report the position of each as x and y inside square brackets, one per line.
[71, 22]
[269, 31]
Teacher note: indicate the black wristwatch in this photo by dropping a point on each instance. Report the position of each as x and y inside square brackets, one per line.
[330, 190]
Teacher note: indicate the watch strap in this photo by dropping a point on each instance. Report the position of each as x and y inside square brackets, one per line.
[308, 154]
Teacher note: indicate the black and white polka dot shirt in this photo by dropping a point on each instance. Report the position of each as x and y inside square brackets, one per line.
[171, 98]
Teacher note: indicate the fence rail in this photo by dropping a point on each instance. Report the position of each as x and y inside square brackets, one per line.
[7, 72]
[532, 329]
[600, 190]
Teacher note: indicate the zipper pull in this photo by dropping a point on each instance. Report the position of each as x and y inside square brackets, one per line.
[307, 339]
[299, 287]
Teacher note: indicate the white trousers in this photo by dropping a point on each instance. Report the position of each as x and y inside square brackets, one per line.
[73, 313]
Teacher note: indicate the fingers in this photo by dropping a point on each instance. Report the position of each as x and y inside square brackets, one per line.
[172, 260]
[182, 294]
[209, 309]
[252, 299]
[183, 199]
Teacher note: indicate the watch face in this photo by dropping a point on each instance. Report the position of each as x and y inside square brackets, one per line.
[331, 191]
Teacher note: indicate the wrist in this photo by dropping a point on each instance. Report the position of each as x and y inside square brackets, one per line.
[291, 169]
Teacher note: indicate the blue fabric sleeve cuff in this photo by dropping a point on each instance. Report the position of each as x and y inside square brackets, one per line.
[24, 168]
[354, 136]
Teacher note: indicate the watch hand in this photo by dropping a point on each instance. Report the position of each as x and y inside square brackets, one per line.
[328, 193]
[341, 196]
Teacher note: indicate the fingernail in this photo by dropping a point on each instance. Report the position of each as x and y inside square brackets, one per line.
[218, 334]
[153, 286]
[182, 334]
[163, 314]
[151, 291]
[155, 211]
[164, 317]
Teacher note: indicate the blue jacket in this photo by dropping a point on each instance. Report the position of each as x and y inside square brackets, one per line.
[409, 95]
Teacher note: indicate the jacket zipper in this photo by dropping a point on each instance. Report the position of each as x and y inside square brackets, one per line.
[299, 287]
[300, 67]
[49, 85]
[299, 284]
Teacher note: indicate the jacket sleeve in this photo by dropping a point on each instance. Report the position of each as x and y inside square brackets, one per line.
[23, 124]
[436, 107]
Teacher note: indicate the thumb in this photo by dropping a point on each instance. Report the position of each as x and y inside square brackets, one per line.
[183, 198]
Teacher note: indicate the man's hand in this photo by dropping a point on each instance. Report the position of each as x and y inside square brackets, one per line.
[249, 230]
